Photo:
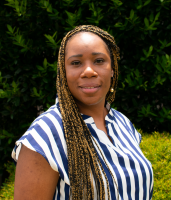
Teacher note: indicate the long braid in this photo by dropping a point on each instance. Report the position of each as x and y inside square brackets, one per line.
[82, 157]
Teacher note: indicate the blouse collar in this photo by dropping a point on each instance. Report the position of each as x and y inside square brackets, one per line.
[89, 119]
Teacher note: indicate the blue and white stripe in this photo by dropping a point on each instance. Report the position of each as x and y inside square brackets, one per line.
[131, 170]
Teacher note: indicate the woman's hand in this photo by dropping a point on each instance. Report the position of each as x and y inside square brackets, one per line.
[34, 177]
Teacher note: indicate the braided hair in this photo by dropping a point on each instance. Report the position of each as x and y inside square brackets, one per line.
[83, 161]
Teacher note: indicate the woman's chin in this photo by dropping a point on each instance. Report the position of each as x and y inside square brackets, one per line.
[90, 101]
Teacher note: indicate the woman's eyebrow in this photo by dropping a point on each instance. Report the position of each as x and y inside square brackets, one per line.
[78, 55]
[97, 53]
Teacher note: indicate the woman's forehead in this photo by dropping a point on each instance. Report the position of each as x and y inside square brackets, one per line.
[85, 38]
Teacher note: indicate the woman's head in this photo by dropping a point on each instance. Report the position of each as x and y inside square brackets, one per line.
[88, 69]
[86, 53]
[80, 35]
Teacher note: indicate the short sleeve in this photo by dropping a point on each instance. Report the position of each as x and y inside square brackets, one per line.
[46, 137]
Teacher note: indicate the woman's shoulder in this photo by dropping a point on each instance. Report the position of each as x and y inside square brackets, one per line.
[47, 124]
[125, 125]
[120, 116]
[53, 113]
[46, 136]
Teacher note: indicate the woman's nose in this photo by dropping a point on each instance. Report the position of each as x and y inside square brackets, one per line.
[88, 72]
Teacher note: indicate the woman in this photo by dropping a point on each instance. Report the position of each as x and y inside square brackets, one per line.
[81, 148]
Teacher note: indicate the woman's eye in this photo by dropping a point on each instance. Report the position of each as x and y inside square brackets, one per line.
[75, 62]
[99, 61]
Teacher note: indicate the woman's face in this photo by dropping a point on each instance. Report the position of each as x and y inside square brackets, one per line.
[88, 68]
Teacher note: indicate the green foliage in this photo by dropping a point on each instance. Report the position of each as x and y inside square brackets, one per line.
[7, 190]
[30, 35]
[157, 149]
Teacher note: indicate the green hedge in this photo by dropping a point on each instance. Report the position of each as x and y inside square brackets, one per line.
[30, 35]
[7, 190]
[156, 147]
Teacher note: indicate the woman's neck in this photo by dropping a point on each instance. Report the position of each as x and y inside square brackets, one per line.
[97, 112]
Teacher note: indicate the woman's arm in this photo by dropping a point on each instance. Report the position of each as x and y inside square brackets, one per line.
[34, 177]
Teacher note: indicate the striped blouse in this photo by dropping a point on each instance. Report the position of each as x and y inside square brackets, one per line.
[132, 171]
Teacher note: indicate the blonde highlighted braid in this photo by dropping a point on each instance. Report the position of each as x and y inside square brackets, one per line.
[83, 161]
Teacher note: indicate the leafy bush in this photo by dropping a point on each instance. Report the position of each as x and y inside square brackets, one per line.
[7, 190]
[157, 149]
[30, 35]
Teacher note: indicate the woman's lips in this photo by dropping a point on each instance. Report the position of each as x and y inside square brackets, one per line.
[90, 89]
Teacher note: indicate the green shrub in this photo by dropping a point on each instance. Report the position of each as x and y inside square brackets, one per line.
[7, 190]
[156, 147]
[30, 35]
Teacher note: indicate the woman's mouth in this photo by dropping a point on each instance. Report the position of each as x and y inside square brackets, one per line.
[91, 89]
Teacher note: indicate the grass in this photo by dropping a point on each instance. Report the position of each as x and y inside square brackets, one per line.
[157, 149]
